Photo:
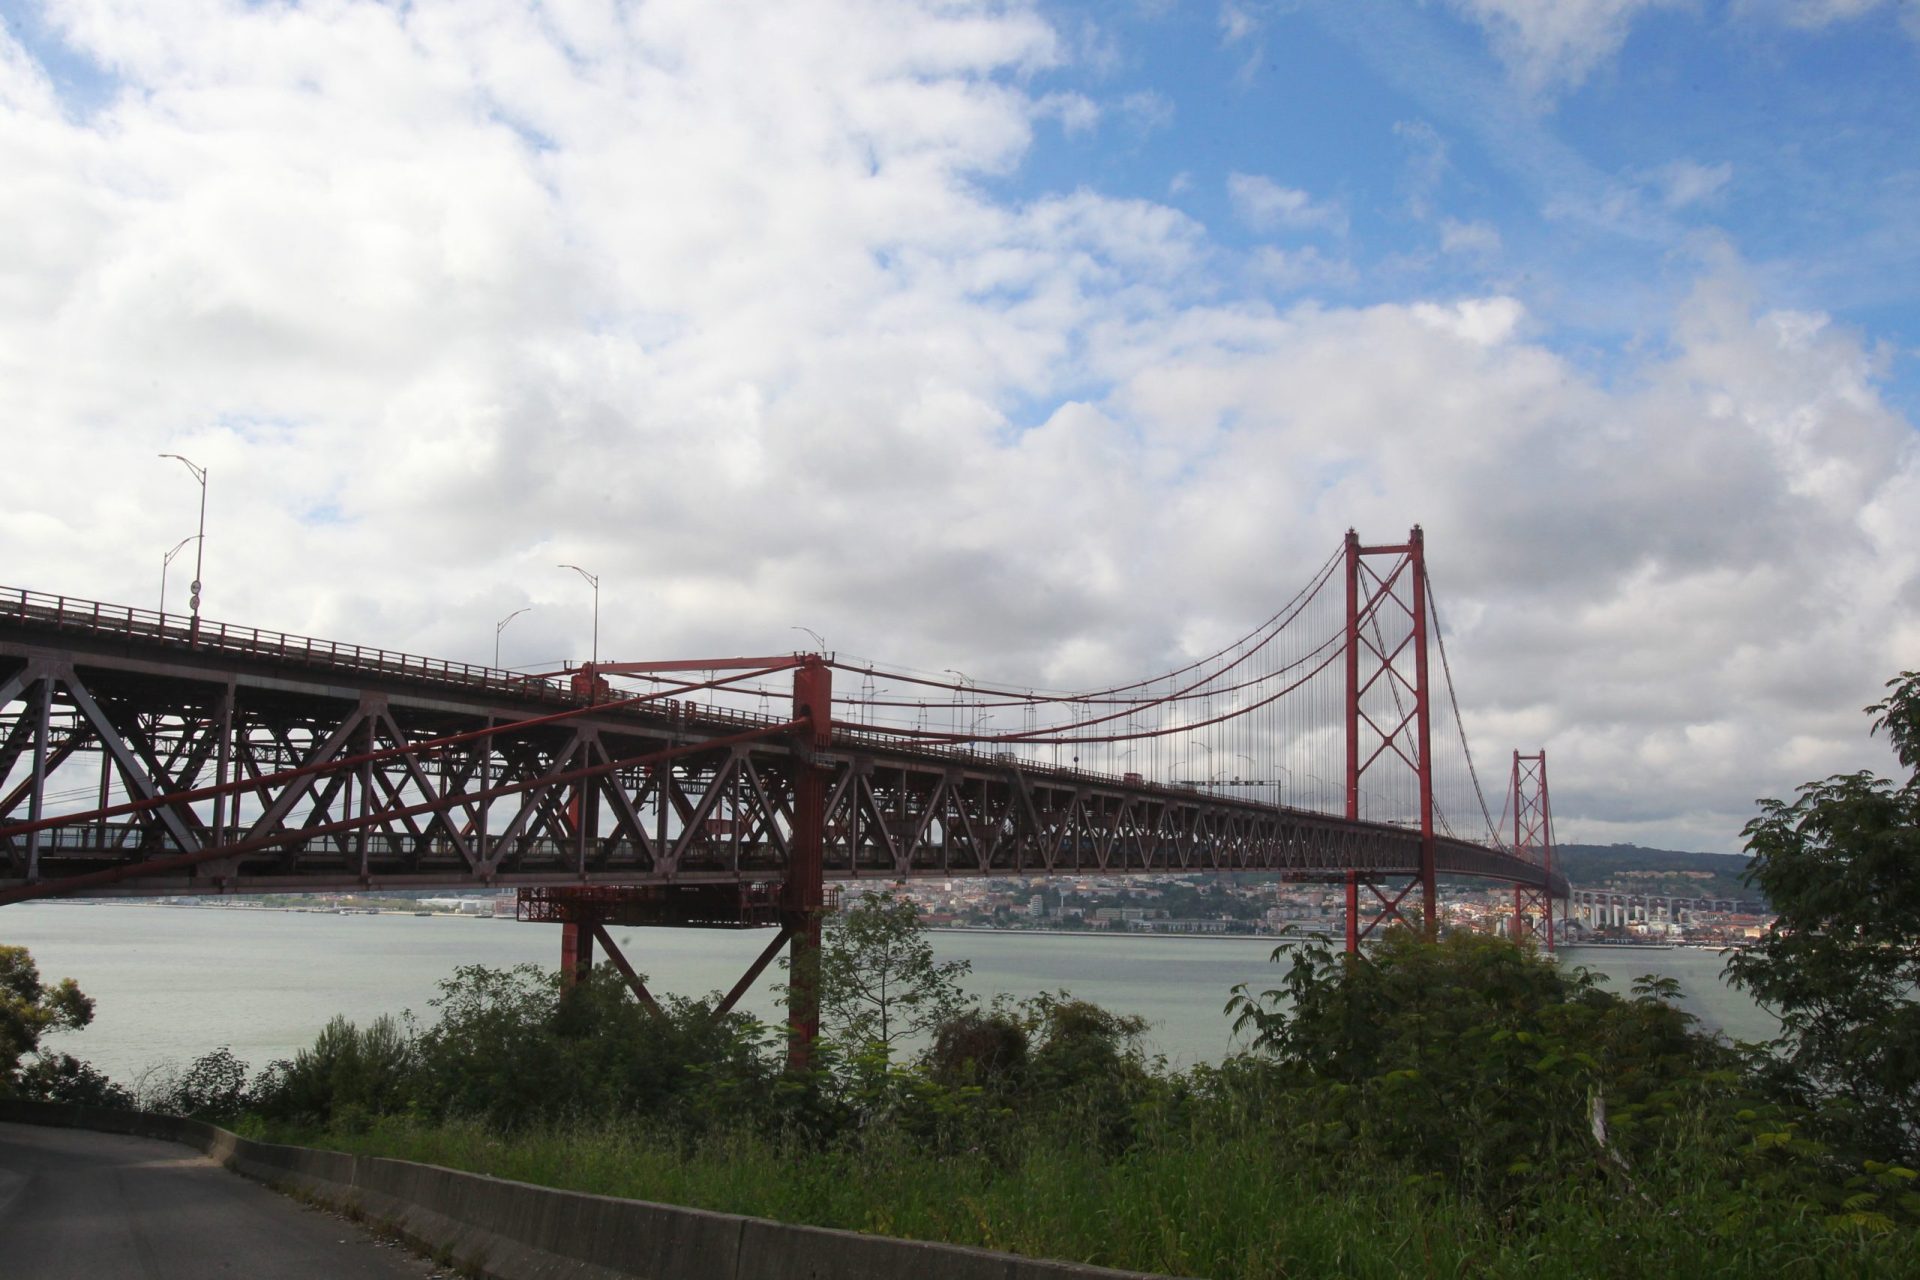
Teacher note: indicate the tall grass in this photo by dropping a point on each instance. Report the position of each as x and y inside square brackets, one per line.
[1237, 1203]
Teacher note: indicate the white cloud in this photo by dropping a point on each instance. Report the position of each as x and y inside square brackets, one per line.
[1554, 44]
[1238, 23]
[1427, 163]
[1291, 270]
[1688, 182]
[718, 304]
[1485, 322]
[1077, 113]
[1264, 205]
[1475, 239]
[1147, 111]
[1821, 13]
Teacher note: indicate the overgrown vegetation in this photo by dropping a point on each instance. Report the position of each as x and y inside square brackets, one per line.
[1841, 864]
[29, 1009]
[1462, 1106]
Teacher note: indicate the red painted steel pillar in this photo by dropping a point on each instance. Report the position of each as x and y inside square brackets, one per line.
[805, 890]
[1353, 728]
[1546, 847]
[576, 951]
[1410, 738]
[1423, 722]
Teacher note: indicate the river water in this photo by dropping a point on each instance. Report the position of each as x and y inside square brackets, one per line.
[170, 983]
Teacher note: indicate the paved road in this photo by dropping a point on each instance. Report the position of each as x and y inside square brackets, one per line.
[96, 1205]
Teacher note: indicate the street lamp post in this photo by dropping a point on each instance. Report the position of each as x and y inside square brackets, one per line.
[166, 562]
[200, 543]
[818, 639]
[500, 626]
[593, 580]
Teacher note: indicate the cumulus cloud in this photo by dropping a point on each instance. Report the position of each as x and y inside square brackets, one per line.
[721, 306]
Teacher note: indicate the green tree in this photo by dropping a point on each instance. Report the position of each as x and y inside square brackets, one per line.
[1481, 1061]
[879, 981]
[1841, 866]
[29, 1009]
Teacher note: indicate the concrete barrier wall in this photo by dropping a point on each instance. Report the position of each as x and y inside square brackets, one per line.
[515, 1231]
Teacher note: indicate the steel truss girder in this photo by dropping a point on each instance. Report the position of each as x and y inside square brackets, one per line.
[566, 805]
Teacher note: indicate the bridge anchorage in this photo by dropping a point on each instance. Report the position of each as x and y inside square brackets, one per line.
[139, 756]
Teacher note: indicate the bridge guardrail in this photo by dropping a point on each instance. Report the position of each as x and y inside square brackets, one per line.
[72, 613]
[68, 613]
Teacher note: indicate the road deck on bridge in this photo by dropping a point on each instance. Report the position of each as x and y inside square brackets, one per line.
[86, 1205]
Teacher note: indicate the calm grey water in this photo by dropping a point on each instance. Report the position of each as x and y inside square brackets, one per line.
[171, 983]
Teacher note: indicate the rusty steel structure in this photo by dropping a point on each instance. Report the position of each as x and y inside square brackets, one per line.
[141, 756]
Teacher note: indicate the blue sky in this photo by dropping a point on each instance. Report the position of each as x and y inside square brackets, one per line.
[1710, 130]
[1053, 342]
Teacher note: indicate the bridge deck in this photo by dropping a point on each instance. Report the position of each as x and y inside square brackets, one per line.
[337, 766]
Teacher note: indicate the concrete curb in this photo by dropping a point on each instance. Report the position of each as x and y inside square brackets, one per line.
[501, 1230]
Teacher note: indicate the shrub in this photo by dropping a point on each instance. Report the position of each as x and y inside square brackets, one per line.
[213, 1087]
[64, 1078]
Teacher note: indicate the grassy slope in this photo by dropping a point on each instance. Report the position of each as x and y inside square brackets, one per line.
[1242, 1205]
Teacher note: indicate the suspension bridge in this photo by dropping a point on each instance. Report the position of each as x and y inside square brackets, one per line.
[145, 753]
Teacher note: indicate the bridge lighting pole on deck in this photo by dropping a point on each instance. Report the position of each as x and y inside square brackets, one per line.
[166, 562]
[200, 545]
[593, 580]
[500, 626]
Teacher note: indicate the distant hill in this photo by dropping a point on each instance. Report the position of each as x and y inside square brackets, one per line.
[1660, 871]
